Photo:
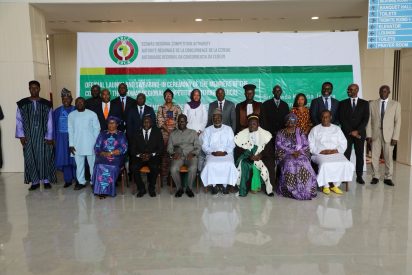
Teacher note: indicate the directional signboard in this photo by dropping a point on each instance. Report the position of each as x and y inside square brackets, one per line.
[390, 24]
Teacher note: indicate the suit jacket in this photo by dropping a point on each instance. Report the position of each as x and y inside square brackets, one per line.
[351, 120]
[318, 105]
[113, 111]
[228, 114]
[154, 145]
[130, 103]
[92, 102]
[134, 123]
[241, 114]
[273, 117]
[391, 120]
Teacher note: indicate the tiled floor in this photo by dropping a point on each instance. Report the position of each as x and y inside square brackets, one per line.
[62, 231]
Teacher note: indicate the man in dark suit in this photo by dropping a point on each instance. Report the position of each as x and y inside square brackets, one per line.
[95, 99]
[125, 103]
[247, 107]
[146, 150]
[135, 116]
[227, 107]
[354, 117]
[104, 109]
[324, 102]
[274, 111]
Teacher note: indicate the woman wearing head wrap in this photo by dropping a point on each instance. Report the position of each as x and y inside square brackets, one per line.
[110, 149]
[167, 120]
[297, 179]
[196, 112]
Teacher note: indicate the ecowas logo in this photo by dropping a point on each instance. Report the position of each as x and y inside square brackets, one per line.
[123, 50]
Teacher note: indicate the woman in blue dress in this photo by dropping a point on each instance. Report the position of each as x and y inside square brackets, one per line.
[110, 150]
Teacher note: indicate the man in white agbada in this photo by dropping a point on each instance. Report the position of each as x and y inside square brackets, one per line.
[218, 145]
[327, 144]
[83, 128]
[253, 142]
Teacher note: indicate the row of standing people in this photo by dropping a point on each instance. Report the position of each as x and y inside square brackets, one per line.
[272, 114]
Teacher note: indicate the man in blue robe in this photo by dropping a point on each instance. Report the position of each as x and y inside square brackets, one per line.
[64, 161]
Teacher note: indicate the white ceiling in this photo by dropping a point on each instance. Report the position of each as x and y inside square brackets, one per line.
[227, 16]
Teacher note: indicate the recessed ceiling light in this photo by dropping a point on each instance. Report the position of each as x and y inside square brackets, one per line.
[198, 19]
[314, 17]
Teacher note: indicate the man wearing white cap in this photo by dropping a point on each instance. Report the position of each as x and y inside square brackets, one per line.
[218, 145]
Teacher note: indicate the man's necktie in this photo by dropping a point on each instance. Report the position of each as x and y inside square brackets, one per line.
[326, 103]
[106, 111]
[353, 104]
[146, 136]
[277, 103]
[220, 106]
[122, 104]
[382, 113]
[141, 112]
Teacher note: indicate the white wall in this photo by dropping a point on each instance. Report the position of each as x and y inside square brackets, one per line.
[63, 55]
[405, 98]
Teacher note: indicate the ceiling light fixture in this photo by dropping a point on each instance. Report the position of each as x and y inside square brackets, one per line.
[314, 17]
[198, 19]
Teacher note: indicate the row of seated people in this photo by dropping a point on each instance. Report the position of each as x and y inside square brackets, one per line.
[272, 113]
[254, 168]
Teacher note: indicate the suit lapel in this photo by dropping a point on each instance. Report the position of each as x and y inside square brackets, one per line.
[389, 106]
[377, 108]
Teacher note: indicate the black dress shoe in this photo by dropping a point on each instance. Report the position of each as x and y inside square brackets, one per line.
[374, 181]
[225, 190]
[360, 180]
[271, 194]
[140, 194]
[79, 186]
[67, 184]
[179, 193]
[189, 193]
[34, 187]
[214, 190]
[152, 194]
[388, 182]
[47, 186]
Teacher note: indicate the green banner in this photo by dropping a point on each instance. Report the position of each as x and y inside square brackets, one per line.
[182, 80]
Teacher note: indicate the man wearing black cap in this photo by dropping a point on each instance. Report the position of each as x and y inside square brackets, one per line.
[274, 111]
[247, 107]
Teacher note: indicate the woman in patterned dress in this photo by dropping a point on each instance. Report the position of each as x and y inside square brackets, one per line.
[302, 113]
[297, 179]
[110, 149]
[166, 121]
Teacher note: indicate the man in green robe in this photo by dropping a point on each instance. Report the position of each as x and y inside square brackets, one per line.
[253, 143]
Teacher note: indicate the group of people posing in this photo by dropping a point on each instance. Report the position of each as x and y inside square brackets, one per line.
[252, 146]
